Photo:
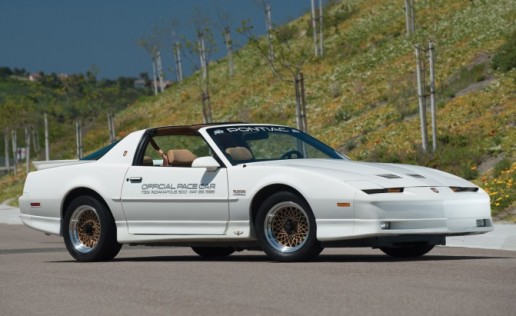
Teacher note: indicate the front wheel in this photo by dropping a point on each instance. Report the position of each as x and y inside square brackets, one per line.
[89, 230]
[407, 251]
[286, 229]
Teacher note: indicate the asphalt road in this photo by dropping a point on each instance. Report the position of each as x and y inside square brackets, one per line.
[38, 277]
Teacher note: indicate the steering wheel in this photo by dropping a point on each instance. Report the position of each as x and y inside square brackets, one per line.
[291, 153]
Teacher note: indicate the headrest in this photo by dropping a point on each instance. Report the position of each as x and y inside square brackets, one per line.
[239, 153]
[180, 157]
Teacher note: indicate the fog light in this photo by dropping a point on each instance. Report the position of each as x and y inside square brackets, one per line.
[385, 225]
[481, 223]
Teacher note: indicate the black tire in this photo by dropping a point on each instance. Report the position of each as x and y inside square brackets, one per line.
[407, 251]
[89, 230]
[213, 252]
[285, 228]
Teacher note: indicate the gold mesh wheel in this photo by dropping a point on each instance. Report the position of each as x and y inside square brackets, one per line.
[287, 227]
[84, 228]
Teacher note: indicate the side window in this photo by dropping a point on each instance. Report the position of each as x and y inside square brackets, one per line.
[180, 150]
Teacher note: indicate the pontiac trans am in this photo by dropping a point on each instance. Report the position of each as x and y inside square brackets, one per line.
[221, 188]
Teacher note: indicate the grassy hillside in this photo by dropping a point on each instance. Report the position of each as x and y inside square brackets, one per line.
[362, 94]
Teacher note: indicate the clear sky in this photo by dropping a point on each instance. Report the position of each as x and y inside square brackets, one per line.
[68, 36]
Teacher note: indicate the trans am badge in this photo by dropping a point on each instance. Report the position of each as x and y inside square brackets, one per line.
[239, 192]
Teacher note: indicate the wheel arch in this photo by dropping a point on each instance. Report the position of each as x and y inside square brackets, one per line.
[80, 191]
[264, 192]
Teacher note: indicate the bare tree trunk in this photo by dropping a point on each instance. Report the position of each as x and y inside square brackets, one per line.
[154, 76]
[268, 24]
[314, 27]
[111, 127]
[47, 147]
[205, 94]
[27, 149]
[229, 48]
[300, 119]
[35, 142]
[420, 73]
[15, 150]
[6, 149]
[160, 71]
[321, 30]
[179, 66]
[202, 55]
[303, 102]
[409, 17]
[78, 137]
[206, 107]
[432, 95]
[421, 98]
[298, 105]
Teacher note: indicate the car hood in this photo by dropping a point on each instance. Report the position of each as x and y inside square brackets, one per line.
[383, 174]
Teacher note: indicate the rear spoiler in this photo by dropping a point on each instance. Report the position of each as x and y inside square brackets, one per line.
[40, 165]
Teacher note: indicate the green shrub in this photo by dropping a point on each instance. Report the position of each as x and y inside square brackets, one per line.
[285, 33]
[505, 58]
[502, 165]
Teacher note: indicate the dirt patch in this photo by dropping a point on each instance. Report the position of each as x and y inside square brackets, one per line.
[489, 163]
[475, 87]
[480, 59]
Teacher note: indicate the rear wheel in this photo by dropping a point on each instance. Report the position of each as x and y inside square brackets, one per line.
[412, 251]
[89, 230]
[286, 229]
[213, 252]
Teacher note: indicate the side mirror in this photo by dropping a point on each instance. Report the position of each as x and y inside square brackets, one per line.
[207, 162]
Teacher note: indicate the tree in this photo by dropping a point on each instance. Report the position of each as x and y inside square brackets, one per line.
[17, 113]
[171, 28]
[224, 26]
[419, 40]
[152, 44]
[203, 48]
[317, 26]
[5, 72]
[286, 63]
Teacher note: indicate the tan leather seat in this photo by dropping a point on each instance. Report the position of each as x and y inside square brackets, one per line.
[180, 157]
[239, 153]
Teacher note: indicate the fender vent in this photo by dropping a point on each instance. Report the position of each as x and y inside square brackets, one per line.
[389, 176]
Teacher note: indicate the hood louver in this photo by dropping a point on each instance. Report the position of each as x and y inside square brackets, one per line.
[389, 176]
[415, 175]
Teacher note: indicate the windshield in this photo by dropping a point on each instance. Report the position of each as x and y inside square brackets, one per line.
[242, 144]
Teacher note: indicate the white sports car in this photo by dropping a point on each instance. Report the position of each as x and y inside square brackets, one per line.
[221, 188]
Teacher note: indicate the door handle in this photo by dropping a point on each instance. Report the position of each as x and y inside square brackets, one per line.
[135, 179]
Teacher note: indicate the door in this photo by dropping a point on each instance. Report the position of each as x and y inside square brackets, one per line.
[176, 200]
